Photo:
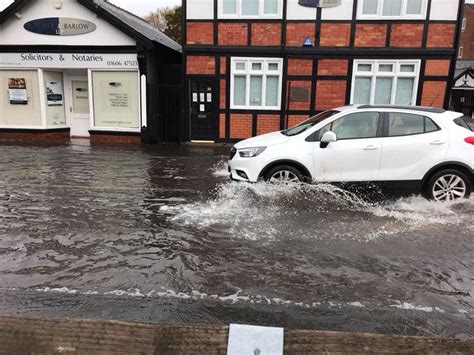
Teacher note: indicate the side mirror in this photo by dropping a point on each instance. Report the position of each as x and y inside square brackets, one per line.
[328, 137]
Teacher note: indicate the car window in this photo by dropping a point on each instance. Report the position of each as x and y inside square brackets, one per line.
[460, 122]
[353, 126]
[430, 126]
[405, 124]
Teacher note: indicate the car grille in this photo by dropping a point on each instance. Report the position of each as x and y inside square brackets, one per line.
[233, 152]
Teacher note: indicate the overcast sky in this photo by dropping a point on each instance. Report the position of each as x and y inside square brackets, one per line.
[139, 7]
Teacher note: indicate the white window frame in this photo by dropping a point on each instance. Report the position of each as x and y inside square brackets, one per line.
[248, 73]
[395, 74]
[464, 24]
[403, 15]
[260, 15]
[460, 52]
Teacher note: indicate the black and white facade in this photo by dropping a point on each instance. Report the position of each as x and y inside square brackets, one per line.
[82, 68]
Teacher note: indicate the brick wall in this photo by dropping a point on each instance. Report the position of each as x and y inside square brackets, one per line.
[294, 120]
[233, 34]
[467, 35]
[222, 87]
[370, 35]
[297, 32]
[441, 35]
[406, 35]
[433, 93]
[333, 66]
[299, 105]
[200, 33]
[114, 139]
[330, 94]
[223, 65]
[222, 126]
[268, 123]
[335, 35]
[300, 66]
[437, 67]
[18, 136]
[196, 64]
[266, 34]
[240, 126]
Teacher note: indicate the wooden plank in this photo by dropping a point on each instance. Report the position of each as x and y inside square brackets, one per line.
[68, 336]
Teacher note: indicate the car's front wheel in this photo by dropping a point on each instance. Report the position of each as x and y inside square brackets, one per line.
[448, 185]
[284, 174]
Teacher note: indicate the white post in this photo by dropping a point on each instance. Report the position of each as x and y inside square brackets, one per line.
[42, 98]
[143, 100]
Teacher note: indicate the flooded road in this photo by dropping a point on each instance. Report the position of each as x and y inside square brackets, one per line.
[160, 234]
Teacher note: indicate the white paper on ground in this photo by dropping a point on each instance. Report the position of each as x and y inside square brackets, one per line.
[253, 340]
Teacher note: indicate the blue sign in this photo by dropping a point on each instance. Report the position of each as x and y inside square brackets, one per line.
[60, 26]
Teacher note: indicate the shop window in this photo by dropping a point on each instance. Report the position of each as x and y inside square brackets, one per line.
[20, 104]
[53, 84]
[250, 8]
[392, 9]
[385, 82]
[116, 100]
[256, 83]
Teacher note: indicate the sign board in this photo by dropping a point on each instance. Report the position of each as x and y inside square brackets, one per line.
[60, 26]
[320, 3]
[68, 60]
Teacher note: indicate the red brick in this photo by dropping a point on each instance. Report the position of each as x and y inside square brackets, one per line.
[297, 32]
[406, 35]
[196, 64]
[266, 34]
[330, 94]
[437, 67]
[200, 33]
[223, 65]
[335, 35]
[268, 123]
[222, 126]
[300, 66]
[17, 136]
[370, 35]
[433, 93]
[300, 105]
[222, 93]
[232, 34]
[441, 35]
[240, 126]
[294, 120]
[115, 139]
[333, 66]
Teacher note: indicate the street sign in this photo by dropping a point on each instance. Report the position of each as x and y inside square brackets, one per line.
[320, 3]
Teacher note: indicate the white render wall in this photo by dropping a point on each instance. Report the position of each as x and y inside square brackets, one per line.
[200, 9]
[12, 31]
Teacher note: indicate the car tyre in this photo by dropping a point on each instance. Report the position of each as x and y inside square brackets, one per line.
[448, 185]
[284, 174]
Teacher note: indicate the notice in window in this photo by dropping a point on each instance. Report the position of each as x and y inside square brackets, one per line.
[54, 93]
[17, 91]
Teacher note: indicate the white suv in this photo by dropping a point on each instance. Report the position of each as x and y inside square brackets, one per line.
[417, 149]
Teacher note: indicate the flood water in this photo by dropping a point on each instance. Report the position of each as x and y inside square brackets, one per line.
[160, 234]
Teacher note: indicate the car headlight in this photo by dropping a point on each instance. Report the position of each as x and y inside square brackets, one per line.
[251, 152]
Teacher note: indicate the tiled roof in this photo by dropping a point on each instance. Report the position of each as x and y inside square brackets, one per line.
[462, 65]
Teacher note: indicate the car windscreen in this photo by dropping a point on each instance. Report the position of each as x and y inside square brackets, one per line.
[311, 122]
[461, 122]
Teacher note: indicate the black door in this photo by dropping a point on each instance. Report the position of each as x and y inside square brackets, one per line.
[463, 101]
[203, 110]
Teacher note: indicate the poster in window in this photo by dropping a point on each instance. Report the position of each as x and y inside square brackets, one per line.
[54, 93]
[17, 91]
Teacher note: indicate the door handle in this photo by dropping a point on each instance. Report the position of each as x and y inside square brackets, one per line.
[371, 147]
[437, 142]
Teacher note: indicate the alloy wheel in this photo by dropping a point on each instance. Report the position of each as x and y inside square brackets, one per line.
[284, 176]
[449, 188]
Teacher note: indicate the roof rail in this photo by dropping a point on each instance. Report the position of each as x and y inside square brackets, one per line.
[411, 108]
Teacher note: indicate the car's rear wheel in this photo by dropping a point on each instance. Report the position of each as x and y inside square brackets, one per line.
[284, 174]
[449, 185]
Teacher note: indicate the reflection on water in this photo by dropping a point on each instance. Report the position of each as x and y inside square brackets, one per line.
[112, 232]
